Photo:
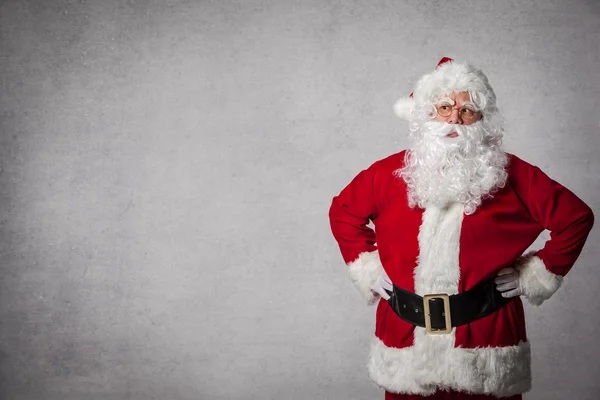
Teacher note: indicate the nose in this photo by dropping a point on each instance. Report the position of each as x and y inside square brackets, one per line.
[454, 118]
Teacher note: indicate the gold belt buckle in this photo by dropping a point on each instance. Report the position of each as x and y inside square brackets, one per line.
[446, 300]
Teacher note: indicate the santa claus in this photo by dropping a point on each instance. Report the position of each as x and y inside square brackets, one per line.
[452, 218]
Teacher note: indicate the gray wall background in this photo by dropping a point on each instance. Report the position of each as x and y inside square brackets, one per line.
[167, 168]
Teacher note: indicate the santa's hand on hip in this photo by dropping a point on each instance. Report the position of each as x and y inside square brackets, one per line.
[507, 282]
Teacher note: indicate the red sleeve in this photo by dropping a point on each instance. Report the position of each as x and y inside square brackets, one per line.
[350, 213]
[558, 210]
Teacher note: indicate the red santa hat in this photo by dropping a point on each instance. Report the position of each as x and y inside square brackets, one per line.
[448, 77]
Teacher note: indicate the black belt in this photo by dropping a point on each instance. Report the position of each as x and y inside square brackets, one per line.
[438, 313]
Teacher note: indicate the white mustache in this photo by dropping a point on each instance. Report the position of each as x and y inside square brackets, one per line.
[442, 129]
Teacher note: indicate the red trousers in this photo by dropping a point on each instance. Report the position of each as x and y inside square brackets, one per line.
[443, 395]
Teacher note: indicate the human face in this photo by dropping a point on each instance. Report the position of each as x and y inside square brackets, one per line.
[462, 109]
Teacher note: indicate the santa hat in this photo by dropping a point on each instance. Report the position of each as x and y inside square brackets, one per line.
[404, 105]
[448, 77]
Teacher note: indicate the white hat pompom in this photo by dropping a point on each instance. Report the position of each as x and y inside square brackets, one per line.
[403, 107]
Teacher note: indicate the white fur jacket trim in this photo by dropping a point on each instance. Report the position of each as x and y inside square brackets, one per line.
[425, 367]
[364, 272]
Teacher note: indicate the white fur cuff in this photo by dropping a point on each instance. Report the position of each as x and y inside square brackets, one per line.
[364, 271]
[535, 281]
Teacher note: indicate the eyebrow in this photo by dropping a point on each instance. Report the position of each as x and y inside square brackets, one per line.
[470, 104]
[446, 100]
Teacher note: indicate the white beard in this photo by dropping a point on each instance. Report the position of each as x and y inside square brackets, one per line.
[440, 170]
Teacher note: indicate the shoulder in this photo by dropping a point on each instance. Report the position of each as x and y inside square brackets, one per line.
[379, 172]
[389, 163]
[385, 179]
[515, 162]
[529, 180]
[518, 167]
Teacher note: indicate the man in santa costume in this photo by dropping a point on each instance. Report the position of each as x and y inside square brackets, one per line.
[452, 218]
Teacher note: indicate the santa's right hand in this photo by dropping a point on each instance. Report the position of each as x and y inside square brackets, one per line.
[382, 284]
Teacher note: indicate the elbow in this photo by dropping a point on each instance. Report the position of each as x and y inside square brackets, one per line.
[589, 217]
[336, 212]
[333, 208]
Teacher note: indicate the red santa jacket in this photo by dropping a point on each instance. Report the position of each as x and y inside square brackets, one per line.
[438, 250]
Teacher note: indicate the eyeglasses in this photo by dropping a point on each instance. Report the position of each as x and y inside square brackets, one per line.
[445, 110]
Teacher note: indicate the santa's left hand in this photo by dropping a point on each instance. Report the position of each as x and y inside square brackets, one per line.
[507, 282]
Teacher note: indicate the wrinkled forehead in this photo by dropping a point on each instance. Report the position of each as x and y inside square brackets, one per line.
[456, 98]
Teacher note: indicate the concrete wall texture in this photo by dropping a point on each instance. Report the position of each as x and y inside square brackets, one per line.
[166, 169]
